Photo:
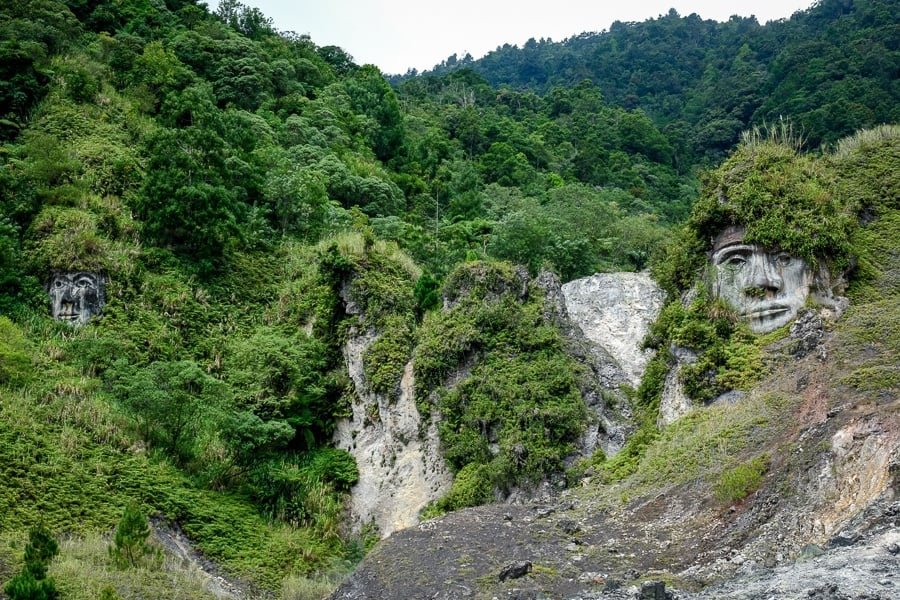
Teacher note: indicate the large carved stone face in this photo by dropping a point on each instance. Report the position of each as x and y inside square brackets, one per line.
[76, 297]
[766, 286]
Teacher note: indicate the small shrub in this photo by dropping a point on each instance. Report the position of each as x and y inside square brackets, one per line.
[25, 586]
[109, 593]
[298, 587]
[472, 486]
[735, 484]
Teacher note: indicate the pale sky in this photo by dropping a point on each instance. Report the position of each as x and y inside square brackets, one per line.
[399, 34]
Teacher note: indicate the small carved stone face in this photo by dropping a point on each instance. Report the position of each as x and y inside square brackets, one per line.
[76, 297]
[767, 287]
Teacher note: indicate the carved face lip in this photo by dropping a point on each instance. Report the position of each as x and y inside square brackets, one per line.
[766, 319]
[768, 310]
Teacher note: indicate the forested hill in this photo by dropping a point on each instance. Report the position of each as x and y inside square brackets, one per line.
[241, 200]
[832, 68]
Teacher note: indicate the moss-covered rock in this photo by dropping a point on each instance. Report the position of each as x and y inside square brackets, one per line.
[511, 403]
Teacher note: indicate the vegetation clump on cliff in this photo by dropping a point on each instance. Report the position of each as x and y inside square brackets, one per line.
[505, 391]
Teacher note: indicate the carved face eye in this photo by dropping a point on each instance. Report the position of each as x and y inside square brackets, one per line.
[83, 282]
[783, 259]
[733, 261]
[57, 283]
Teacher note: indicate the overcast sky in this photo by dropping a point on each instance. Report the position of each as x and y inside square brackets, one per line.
[399, 34]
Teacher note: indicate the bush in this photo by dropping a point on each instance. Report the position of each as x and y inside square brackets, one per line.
[472, 486]
[166, 399]
[386, 358]
[280, 375]
[518, 409]
[15, 359]
[25, 586]
[735, 484]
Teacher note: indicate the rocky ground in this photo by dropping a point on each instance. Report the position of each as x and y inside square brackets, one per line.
[177, 545]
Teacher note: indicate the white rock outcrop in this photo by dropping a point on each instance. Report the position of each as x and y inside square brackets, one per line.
[674, 402]
[401, 468]
[615, 311]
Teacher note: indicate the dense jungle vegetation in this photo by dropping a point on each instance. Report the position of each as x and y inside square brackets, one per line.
[234, 182]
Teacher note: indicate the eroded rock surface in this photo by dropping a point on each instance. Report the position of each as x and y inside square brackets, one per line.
[675, 402]
[615, 310]
[401, 468]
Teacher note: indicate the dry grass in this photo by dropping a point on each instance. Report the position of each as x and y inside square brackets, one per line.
[351, 243]
[866, 137]
[782, 132]
[298, 587]
[83, 569]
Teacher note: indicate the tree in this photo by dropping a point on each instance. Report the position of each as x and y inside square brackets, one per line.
[277, 375]
[372, 96]
[166, 399]
[32, 582]
[130, 542]
[186, 201]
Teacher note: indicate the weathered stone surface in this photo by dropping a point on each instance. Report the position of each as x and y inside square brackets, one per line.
[806, 333]
[608, 428]
[615, 310]
[401, 468]
[569, 526]
[654, 590]
[515, 570]
[675, 403]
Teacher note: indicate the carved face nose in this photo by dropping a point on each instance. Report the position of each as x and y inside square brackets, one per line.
[763, 274]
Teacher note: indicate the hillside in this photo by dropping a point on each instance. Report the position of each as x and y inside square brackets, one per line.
[789, 490]
[829, 68]
[267, 309]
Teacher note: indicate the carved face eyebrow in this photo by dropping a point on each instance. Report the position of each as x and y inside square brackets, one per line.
[729, 252]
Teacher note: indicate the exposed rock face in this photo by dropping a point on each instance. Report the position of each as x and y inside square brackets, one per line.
[825, 522]
[608, 427]
[401, 468]
[675, 403]
[615, 310]
[806, 332]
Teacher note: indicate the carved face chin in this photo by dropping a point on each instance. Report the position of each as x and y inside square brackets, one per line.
[76, 297]
[766, 287]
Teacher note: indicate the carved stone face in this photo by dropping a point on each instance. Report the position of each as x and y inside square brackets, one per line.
[766, 286]
[76, 297]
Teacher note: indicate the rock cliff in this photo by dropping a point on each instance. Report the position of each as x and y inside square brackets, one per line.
[819, 520]
[823, 523]
[614, 311]
[400, 464]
